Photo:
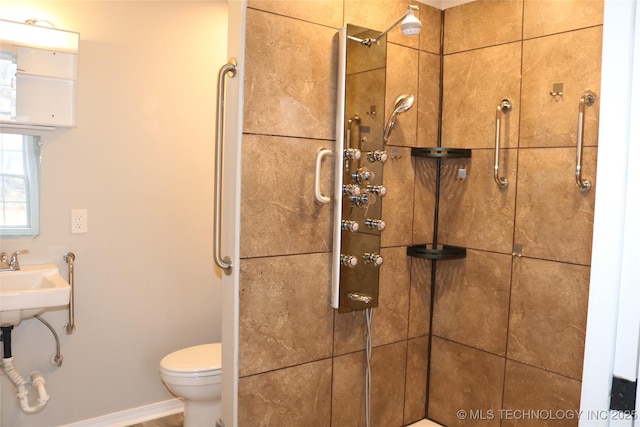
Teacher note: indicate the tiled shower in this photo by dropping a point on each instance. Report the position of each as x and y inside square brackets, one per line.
[508, 321]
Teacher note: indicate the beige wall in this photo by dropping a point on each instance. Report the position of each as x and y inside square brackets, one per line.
[141, 162]
[500, 322]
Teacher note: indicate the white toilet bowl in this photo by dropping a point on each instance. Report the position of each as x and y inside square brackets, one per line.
[193, 374]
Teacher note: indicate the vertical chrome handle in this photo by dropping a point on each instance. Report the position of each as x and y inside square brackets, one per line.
[70, 327]
[588, 98]
[503, 107]
[224, 263]
[321, 154]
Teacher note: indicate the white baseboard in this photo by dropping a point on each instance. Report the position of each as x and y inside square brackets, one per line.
[134, 415]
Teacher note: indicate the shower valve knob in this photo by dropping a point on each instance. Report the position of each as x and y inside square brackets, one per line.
[363, 201]
[350, 190]
[352, 153]
[348, 260]
[371, 258]
[376, 224]
[377, 156]
[380, 190]
[348, 225]
[362, 175]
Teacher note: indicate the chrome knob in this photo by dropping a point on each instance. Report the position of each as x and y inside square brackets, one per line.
[352, 153]
[348, 260]
[348, 225]
[362, 176]
[380, 190]
[350, 190]
[376, 224]
[371, 258]
[364, 200]
[377, 156]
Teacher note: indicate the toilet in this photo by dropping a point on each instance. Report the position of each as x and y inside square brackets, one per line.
[193, 374]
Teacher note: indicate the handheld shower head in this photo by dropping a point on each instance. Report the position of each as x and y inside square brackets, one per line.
[403, 103]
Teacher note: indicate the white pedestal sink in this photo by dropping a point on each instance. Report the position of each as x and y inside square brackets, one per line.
[29, 291]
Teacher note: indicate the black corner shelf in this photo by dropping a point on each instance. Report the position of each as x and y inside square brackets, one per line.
[441, 152]
[440, 252]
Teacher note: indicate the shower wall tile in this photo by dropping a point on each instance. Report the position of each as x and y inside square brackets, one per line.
[573, 59]
[298, 396]
[387, 387]
[431, 19]
[463, 378]
[554, 219]
[428, 100]
[324, 12]
[482, 23]
[397, 204]
[285, 316]
[349, 332]
[425, 200]
[402, 78]
[528, 388]
[290, 80]
[472, 301]
[474, 212]
[415, 394]
[391, 318]
[420, 297]
[279, 214]
[544, 17]
[379, 15]
[474, 84]
[548, 315]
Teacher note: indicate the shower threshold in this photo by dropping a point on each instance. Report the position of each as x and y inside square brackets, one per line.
[424, 423]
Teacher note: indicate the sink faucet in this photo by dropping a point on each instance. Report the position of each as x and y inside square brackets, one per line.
[13, 264]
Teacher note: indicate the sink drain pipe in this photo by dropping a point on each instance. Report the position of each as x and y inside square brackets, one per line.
[37, 381]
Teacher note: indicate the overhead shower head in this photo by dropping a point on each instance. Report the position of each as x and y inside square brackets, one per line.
[411, 25]
[402, 104]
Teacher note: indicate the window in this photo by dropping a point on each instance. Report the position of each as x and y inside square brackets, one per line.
[19, 185]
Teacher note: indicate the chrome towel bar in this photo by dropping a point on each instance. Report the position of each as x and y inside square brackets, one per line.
[70, 327]
[587, 98]
[503, 107]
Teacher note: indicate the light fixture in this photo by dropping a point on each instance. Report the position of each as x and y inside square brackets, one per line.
[410, 26]
[29, 34]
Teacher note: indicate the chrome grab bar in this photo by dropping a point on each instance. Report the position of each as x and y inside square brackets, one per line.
[588, 98]
[224, 263]
[320, 154]
[70, 327]
[503, 107]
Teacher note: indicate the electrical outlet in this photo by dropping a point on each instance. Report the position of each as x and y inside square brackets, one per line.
[79, 221]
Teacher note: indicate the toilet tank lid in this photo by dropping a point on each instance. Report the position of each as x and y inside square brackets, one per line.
[205, 357]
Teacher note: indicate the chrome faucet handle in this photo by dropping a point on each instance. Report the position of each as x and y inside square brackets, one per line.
[4, 264]
[15, 265]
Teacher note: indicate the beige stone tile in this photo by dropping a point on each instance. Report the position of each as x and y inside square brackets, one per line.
[544, 17]
[285, 317]
[463, 378]
[554, 219]
[290, 79]
[472, 300]
[420, 297]
[548, 315]
[299, 396]
[397, 203]
[379, 15]
[482, 23]
[349, 332]
[572, 59]
[415, 394]
[531, 389]
[475, 82]
[428, 100]
[402, 78]
[387, 387]
[425, 200]
[431, 19]
[391, 317]
[474, 212]
[324, 12]
[279, 214]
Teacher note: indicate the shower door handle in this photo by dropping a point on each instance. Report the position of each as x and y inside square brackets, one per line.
[588, 98]
[224, 263]
[503, 107]
[321, 154]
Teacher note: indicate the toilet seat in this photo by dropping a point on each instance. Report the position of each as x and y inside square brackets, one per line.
[193, 362]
